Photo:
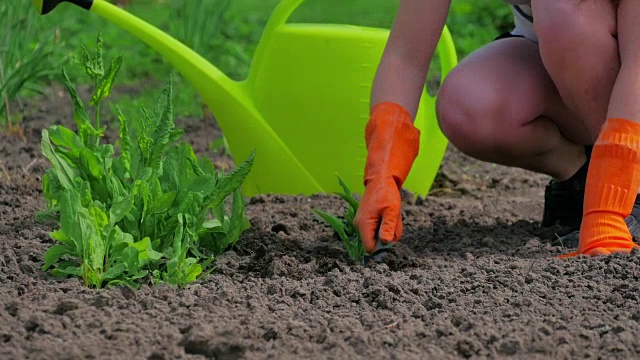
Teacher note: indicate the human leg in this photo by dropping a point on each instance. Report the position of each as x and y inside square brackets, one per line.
[559, 25]
[579, 49]
[614, 174]
[499, 105]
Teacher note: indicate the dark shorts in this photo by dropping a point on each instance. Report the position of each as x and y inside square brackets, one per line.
[506, 36]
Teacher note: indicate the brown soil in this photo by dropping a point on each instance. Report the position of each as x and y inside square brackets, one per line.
[474, 276]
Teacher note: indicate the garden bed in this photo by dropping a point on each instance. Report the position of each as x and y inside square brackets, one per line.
[474, 276]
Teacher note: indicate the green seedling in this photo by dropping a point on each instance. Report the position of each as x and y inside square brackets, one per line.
[348, 233]
[344, 227]
[154, 212]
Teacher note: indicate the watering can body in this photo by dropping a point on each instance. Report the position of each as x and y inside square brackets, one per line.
[312, 83]
[305, 103]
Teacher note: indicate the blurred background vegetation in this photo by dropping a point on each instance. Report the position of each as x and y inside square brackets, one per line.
[33, 47]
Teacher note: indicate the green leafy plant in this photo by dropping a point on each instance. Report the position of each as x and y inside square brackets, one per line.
[24, 57]
[154, 210]
[344, 227]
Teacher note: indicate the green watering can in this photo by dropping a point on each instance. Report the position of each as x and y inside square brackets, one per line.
[304, 104]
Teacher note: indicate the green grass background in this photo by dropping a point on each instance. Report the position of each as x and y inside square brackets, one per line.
[231, 46]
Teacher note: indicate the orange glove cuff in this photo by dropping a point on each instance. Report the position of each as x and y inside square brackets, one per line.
[392, 142]
[612, 184]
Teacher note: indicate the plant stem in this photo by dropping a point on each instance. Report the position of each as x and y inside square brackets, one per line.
[97, 116]
[5, 98]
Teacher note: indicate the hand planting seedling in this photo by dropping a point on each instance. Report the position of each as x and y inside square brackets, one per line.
[154, 210]
[347, 231]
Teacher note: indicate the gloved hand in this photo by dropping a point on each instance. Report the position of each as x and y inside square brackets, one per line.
[392, 146]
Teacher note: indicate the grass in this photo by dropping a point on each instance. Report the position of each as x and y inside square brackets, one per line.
[24, 59]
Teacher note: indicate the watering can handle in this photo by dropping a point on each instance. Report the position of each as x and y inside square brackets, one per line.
[280, 15]
[283, 11]
[446, 48]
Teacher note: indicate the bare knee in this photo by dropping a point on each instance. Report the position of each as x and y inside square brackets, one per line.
[472, 116]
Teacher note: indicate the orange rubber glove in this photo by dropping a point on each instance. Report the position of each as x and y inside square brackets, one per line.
[392, 145]
[612, 185]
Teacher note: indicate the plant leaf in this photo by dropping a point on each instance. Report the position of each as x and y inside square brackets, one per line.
[64, 172]
[80, 115]
[334, 222]
[54, 253]
[120, 209]
[229, 183]
[237, 220]
[104, 89]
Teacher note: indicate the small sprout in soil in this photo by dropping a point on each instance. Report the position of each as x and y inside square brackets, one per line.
[152, 213]
[344, 227]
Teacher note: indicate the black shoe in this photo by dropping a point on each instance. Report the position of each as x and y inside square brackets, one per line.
[563, 200]
[564, 205]
[572, 239]
[633, 220]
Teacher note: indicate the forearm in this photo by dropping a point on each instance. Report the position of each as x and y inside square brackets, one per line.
[412, 43]
[399, 82]
[624, 99]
